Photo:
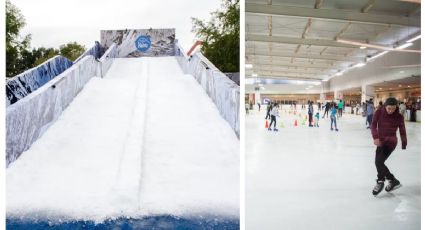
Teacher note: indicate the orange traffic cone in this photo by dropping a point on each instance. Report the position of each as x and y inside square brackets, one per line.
[296, 123]
[267, 124]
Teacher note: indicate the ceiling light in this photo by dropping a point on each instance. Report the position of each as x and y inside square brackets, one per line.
[405, 45]
[362, 47]
[307, 88]
[361, 64]
[414, 38]
[262, 88]
[408, 86]
[380, 88]
[255, 75]
[399, 85]
[325, 80]
[338, 74]
[248, 66]
[260, 84]
[401, 71]
[378, 55]
[357, 43]
[391, 88]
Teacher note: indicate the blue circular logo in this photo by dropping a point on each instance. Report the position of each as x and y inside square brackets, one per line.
[143, 43]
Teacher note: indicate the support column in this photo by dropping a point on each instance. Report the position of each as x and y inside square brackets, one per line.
[257, 96]
[338, 95]
[367, 92]
[322, 97]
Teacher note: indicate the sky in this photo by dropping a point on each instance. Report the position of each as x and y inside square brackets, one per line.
[56, 22]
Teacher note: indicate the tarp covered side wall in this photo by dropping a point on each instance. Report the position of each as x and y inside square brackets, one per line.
[27, 119]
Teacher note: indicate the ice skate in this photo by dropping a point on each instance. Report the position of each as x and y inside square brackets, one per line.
[378, 187]
[275, 129]
[393, 185]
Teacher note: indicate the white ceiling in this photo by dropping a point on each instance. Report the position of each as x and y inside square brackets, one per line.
[297, 39]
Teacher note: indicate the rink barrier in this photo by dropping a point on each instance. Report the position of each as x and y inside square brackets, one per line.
[27, 82]
[96, 51]
[224, 92]
[106, 60]
[29, 118]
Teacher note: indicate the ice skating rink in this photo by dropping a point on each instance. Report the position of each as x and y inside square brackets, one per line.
[312, 178]
[145, 140]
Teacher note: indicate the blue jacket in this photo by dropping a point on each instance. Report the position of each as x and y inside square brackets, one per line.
[333, 112]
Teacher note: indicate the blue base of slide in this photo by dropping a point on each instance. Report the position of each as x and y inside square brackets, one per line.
[151, 222]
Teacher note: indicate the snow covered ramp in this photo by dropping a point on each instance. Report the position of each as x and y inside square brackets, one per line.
[145, 140]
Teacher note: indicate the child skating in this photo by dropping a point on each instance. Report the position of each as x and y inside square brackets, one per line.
[333, 117]
[316, 120]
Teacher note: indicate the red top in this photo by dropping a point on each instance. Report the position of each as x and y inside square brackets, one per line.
[384, 127]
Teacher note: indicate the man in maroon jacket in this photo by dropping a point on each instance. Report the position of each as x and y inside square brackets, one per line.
[385, 122]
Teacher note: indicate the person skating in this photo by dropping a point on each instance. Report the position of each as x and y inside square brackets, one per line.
[385, 123]
[316, 122]
[259, 106]
[273, 114]
[340, 108]
[333, 117]
[310, 113]
[327, 107]
[402, 108]
[369, 113]
[269, 108]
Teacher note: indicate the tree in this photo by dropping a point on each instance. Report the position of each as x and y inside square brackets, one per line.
[15, 21]
[221, 36]
[42, 54]
[72, 50]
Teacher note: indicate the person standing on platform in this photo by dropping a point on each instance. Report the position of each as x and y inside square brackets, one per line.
[386, 121]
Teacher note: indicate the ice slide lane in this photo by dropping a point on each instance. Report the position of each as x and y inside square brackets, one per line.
[145, 140]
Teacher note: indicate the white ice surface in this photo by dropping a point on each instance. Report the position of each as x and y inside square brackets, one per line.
[144, 140]
[312, 178]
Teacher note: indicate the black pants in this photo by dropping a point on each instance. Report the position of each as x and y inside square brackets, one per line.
[273, 120]
[382, 154]
[310, 119]
[268, 115]
[326, 112]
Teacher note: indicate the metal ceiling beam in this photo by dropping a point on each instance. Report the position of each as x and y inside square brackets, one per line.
[270, 25]
[295, 65]
[289, 70]
[343, 30]
[309, 56]
[323, 50]
[298, 41]
[307, 28]
[288, 76]
[331, 14]
[368, 6]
